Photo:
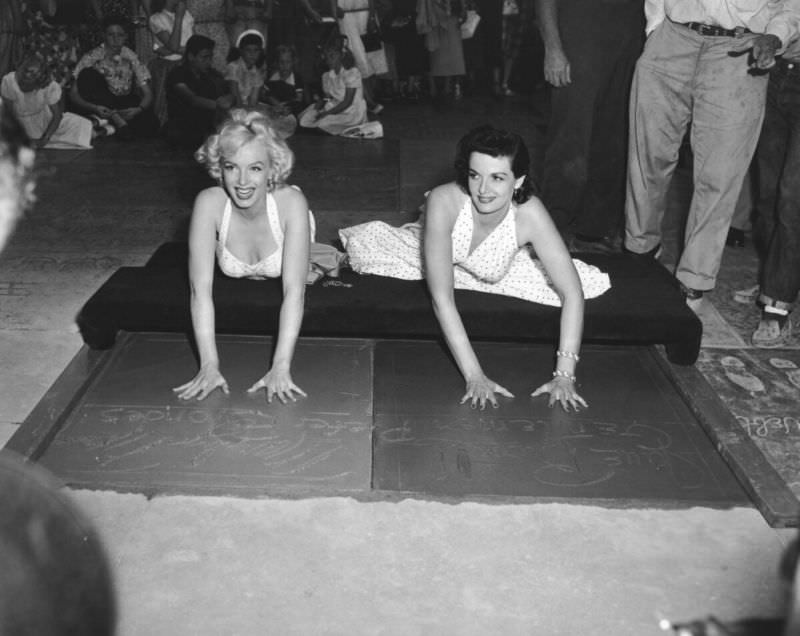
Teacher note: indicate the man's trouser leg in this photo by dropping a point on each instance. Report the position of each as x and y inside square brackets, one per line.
[660, 110]
[726, 121]
[779, 155]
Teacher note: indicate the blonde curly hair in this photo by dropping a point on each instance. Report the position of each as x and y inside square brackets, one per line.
[243, 126]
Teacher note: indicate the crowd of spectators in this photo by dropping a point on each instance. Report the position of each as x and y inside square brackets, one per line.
[136, 68]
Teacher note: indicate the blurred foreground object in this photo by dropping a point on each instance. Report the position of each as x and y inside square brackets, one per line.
[55, 577]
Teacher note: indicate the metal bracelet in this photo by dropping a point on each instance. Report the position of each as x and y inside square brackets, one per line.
[564, 374]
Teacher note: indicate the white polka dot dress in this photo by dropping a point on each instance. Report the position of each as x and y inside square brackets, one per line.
[496, 266]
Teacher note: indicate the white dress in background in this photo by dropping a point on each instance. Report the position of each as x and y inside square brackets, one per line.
[33, 112]
[334, 85]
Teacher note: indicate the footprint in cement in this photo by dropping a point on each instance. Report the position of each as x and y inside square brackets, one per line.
[737, 373]
[792, 371]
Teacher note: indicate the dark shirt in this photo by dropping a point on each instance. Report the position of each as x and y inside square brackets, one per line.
[210, 85]
[188, 124]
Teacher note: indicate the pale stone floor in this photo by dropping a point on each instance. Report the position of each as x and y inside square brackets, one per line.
[202, 565]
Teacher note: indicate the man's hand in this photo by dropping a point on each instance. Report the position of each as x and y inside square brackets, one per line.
[556, 67]
[762, 50]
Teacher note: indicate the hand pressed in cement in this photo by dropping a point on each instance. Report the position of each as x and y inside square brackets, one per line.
[207, 379]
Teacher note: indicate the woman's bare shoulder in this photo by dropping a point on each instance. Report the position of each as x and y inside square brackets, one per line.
[533, 212]
[289, 196]
[532, 207]
[291, 203]
[210, 202]
[533, 220]
[444, 199]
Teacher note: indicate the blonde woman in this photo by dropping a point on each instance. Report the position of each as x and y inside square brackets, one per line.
[256, 226]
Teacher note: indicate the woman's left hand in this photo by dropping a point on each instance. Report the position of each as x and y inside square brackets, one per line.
[278, 383]
[562, 390]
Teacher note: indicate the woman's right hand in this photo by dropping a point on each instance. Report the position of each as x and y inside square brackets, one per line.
[103, 111]
[481, 389]
[207, 379]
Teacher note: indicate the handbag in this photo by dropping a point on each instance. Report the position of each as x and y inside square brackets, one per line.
[469, 25]
[372, 39]
[369, 130]
[324, 261]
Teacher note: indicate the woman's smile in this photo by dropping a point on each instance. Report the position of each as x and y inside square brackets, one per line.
[246, 174]
[491, 183]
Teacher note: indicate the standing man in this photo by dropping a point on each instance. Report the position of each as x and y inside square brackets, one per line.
[704, 68]
[591, 47]
[778, 204]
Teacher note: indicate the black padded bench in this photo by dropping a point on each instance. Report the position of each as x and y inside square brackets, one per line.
[644, 306]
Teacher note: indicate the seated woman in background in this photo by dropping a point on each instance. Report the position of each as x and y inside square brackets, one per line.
[36, 100]
[258, 227]
[475, 234]
[112, 85]
[342, 105]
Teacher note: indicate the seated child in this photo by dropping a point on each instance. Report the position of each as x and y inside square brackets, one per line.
[35, 99]
[112, 84]
[198, 98]
[343, 105]
[245, 71]
[285, 87]
[280, 98]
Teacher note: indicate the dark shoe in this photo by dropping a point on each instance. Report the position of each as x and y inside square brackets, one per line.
[694, 297]
[735, 238]
[774, 330]
[654, 253]
[602, 245]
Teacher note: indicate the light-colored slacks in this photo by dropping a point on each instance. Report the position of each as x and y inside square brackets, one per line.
[685, 80]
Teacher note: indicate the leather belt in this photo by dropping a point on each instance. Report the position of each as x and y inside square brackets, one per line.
[710, 29]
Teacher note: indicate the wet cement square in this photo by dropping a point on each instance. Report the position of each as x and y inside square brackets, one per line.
[638, 441]
[129, 432]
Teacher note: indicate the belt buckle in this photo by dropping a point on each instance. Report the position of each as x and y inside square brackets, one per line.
[739, 31]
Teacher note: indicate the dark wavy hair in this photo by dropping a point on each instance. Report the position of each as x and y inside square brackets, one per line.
[495, 142]
[339, 43]
[116, 19]
[198, 43]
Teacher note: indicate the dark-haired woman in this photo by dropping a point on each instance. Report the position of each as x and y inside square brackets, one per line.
[486, 232]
